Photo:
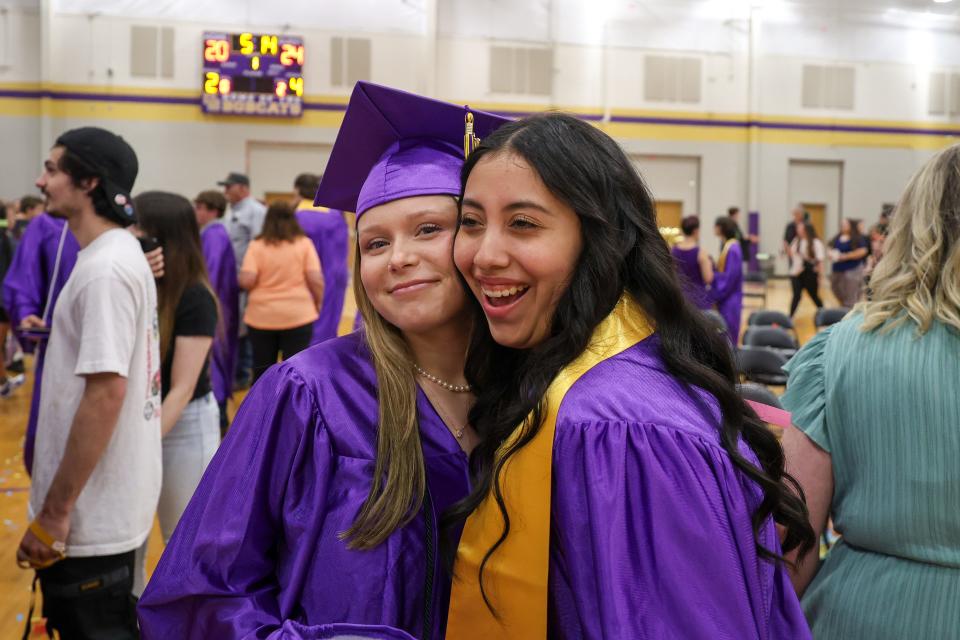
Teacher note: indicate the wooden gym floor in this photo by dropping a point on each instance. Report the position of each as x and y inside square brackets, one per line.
[15, 484]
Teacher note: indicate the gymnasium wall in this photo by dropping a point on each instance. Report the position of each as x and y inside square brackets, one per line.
[67, 63]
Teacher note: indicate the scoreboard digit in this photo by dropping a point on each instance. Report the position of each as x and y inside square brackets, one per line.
[252, 74]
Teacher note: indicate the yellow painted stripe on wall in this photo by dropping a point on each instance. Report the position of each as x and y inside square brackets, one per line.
[81, 109]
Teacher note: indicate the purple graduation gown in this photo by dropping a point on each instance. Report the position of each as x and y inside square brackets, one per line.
[728, 291]
[25, 291]
[691, 279]
[257, 554]
[222, 269]
[651, 532]
[328, 231]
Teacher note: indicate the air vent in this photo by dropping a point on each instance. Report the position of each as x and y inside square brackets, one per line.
[671, 79]
[521, 70]
[349, 61]
[828, 87]
[151, 52]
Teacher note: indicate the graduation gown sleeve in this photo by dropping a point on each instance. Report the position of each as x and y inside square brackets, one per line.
[652, 522]
[222, 269]
[219, 576]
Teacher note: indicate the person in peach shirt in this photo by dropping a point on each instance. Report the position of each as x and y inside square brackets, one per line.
[281, 271]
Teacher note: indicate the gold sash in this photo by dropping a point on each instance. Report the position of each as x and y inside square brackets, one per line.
[722, 260]
[515, 577]
[307, 205]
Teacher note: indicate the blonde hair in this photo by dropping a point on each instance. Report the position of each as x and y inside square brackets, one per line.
[399, 477]
[918, 278]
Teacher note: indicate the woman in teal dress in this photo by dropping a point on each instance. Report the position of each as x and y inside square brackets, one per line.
[876, 403]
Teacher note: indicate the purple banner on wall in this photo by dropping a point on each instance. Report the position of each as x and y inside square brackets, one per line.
[753, 230]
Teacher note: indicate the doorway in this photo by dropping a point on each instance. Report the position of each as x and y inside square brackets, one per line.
[817, 187]
[818, 216]
[669, 213]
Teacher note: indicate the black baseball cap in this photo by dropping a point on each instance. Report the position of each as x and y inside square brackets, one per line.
[113, 159]
[234, 178]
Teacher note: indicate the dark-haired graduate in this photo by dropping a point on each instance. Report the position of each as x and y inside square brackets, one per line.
[622, 488]
[319, 514]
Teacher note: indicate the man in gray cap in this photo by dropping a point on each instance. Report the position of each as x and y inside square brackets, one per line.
[97, 464]
[244, 219]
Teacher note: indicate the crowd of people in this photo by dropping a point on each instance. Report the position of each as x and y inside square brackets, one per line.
[534, 403]
[717, 284]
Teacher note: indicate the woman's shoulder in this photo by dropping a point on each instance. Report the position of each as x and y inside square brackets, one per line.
[635, 387]
[335, 380]
[333, 359]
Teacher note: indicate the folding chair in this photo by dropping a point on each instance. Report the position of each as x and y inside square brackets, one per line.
[755, 285]
[758, 393]
[763, 365]
[770, 318]
[773, 338]
[826, 317]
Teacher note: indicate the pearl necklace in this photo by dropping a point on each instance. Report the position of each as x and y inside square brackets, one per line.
[456, 388]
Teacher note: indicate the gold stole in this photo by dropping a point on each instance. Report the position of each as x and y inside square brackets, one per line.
[515, 577]
[307, 205]
[722, 260]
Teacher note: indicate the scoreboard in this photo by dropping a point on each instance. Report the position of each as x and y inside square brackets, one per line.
[252, 74]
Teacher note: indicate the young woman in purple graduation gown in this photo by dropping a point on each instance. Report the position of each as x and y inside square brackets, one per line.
[638, 495]
[318, 516]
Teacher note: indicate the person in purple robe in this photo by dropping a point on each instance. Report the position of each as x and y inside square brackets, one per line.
[728, 281]
[623, 488]
[693, 264]
[320, 511]
[43, 262]
[209, 207]
[327, 229]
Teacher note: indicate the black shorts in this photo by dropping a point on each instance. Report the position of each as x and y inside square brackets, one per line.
[4, 316]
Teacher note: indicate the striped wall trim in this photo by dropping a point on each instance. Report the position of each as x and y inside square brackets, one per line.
[926, 129]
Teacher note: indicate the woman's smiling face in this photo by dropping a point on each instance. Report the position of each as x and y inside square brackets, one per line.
[405, 266]
[517, 248]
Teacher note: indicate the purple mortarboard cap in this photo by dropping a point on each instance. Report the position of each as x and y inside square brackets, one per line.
[393, 144]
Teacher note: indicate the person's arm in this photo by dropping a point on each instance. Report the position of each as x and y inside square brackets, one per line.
[812, 467]
[857, 253]
[312, 271]
[818, 256]
[249, 268]
[706, 266]
[90, 433]
[189, 355]
[315, 284]
[247, 280]
[220, 575]
[651, 482]
[23, 290]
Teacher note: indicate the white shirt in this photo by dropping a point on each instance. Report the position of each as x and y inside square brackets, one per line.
[244, 222]
[798, 253]
[105, 321]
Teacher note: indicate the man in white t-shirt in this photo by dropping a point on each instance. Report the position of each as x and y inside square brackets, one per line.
[97, 463]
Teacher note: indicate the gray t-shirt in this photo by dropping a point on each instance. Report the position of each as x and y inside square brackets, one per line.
[105, 321]
[244, 222]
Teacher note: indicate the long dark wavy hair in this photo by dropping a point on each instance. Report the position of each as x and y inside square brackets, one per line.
[623, 251]
[170, 219]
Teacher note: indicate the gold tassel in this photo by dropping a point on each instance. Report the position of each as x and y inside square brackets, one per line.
[470, 141]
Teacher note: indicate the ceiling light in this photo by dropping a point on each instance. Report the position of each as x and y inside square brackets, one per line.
[942, 1]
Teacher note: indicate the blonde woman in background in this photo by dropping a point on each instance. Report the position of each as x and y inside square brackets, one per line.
[874, 400]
